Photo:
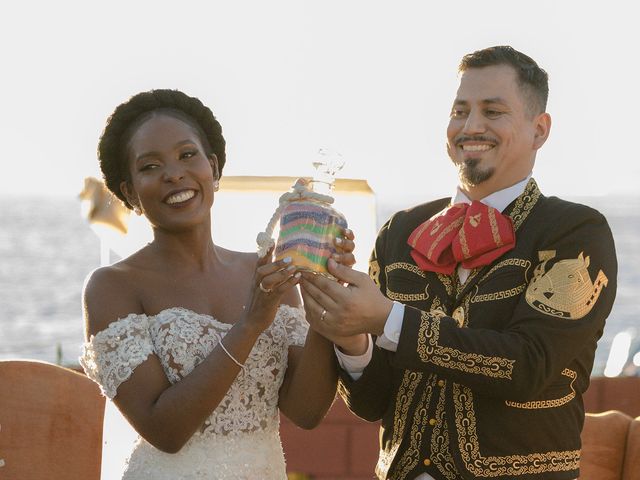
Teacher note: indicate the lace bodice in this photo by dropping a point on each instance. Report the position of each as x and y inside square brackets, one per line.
[182, 339]
[240, 439]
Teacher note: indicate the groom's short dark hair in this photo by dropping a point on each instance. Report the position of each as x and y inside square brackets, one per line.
[533, 80]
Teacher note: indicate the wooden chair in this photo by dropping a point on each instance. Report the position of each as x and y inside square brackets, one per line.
[610, 447]
[50, 423]
[631, 470]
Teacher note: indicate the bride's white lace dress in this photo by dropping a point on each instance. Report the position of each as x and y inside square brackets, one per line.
[240, 439]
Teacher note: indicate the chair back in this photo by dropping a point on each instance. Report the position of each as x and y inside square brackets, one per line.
[610, 447]
[631, 470]
[50, 423]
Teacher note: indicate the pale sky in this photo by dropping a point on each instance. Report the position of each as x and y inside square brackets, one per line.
[373, 80]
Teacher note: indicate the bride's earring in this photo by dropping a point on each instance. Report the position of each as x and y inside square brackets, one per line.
[137, 210]
[216, 185]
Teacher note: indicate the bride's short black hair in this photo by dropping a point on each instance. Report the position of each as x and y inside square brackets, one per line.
[128, 116]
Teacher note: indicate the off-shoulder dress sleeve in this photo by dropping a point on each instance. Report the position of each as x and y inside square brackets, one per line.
[296, 325]
[110, 357]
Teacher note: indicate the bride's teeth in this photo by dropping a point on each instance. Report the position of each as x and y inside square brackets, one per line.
[180, 197]
[476, 148]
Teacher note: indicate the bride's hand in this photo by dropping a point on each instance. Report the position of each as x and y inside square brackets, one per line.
[271, 280]
[345, 246]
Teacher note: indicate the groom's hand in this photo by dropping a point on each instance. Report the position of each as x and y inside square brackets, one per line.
[355, 308]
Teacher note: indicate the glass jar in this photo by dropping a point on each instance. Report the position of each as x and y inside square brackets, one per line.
[309, 224]
[308, 228]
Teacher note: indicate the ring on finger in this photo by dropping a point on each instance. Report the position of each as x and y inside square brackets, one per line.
[322, 315]
[265, 290]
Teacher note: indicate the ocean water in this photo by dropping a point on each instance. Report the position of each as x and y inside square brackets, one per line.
[47, 249]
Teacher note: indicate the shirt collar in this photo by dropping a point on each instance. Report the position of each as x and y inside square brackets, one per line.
[498, 200]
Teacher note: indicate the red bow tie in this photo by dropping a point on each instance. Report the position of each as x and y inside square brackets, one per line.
[473, 235]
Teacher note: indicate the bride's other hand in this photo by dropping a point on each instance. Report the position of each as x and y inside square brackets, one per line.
[345, 245]
[271, 281]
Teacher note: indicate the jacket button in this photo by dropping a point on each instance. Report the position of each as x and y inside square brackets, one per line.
[426, 462]
[432, 422]
[441, 383]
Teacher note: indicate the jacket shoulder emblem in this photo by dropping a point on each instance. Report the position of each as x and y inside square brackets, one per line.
[565, 290]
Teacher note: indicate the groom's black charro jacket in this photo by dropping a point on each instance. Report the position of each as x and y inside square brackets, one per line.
[488, 377]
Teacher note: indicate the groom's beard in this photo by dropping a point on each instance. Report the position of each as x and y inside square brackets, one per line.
[471, 174]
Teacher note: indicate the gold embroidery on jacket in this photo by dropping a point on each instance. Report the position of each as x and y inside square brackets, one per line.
[447, 282]
[430, 351]
[525, 203]
[411, 456]
[508, 465]
[475, 298]
[374, 272]
[546, 255]
[501, 295]
[404, 266]
[566, 289]
[472, 275]
[406, 297]
[436, 305]
[509, 262]
[404, 397]
[555, 402]
[440, 452]
[466, 306]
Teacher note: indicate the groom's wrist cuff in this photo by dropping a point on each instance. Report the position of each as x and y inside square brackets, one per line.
[392, 328]
[354, 365]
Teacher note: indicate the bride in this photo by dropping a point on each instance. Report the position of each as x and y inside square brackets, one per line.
[197, 345]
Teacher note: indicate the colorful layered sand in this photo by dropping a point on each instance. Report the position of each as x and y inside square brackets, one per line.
[307, 232]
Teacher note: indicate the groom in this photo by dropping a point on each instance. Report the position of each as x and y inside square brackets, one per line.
[474, 337]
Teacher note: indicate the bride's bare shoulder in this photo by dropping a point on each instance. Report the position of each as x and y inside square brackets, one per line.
[110, 293]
